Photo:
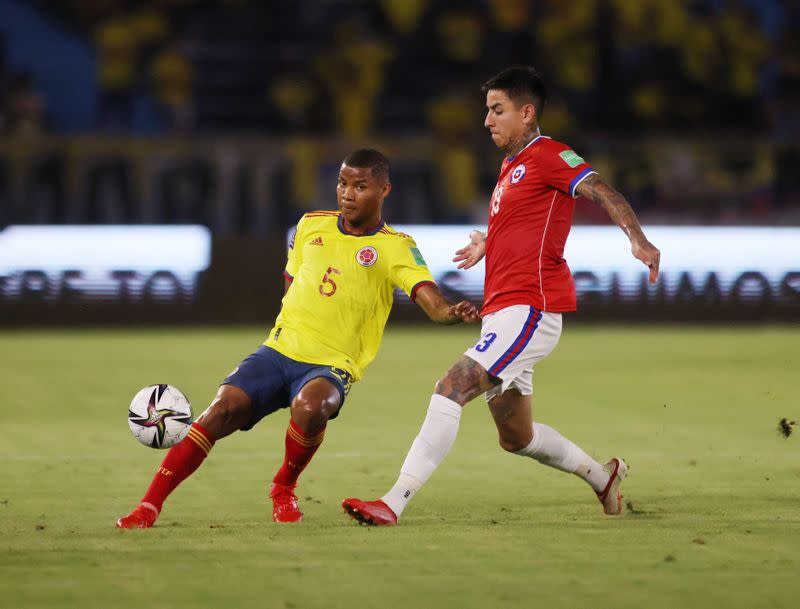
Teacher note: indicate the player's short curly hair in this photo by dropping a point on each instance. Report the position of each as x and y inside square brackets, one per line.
[522, 84]
[369, 158]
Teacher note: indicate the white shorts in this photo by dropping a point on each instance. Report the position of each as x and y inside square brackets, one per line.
[512, 341]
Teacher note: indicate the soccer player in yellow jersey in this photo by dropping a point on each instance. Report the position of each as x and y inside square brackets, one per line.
[341, 272]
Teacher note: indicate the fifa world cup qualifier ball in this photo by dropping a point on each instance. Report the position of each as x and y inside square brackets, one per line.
[160, 416]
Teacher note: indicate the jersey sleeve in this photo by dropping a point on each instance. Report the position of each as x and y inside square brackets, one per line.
[294, 255]
[409, 270]
[564, 169]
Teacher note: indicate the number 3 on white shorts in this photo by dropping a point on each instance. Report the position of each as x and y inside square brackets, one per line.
[488, 339]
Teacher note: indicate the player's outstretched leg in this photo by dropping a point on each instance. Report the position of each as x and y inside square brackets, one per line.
[463, 382]
[229, 411]
[311, 408]
[518, 434]
[551, 448]
[430, 447]
[181, 461]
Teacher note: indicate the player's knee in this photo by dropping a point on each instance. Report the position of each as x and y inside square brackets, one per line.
[306, 407]
[312, 413]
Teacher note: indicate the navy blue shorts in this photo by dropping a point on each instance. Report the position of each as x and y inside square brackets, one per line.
[272, 380]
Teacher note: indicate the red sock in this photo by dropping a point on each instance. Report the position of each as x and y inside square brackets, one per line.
[300, 447]
[180, 463]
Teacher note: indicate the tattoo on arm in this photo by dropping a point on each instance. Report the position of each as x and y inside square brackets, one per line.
[465, 380]
[617, 208]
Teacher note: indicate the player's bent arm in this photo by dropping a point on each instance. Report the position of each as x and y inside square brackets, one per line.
[617, 208]
[430, 299]
[621, 212]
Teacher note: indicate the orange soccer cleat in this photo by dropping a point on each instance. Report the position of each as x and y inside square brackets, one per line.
[284, 503]
[142, 517]
[374, 513]
[610, 496]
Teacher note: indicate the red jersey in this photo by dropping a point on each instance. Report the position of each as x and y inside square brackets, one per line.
[530, 216]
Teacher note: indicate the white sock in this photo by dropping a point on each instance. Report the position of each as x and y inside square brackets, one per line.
[551, 448]
[435, 438]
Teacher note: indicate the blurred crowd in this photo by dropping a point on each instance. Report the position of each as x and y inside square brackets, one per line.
[362, 66]
[692, 107]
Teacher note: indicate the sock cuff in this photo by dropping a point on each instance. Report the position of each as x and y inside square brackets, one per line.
[445, 406]
[150, 506]
[200, 436]
[299, 436]
[203, 431]
[531, 448]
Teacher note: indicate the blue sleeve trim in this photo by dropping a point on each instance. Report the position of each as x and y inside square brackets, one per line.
[578, 179]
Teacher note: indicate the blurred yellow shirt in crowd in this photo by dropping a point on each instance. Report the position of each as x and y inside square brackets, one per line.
[405, 15]
[171, 73]
[116, 49]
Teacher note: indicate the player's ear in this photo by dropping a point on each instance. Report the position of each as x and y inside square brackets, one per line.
[529, 114]
[386, 189]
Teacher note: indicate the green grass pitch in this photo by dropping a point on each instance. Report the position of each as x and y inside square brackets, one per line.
[714, 491]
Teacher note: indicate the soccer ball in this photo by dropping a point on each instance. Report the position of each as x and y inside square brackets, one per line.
[160, 416]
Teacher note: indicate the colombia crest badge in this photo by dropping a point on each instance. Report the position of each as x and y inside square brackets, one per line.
[367, 256]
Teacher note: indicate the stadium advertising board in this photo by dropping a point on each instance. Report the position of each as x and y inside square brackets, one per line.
[110, 264]
[700, 266]
[741, 272]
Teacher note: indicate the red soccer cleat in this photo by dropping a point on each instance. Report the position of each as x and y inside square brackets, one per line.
[284, 503]
[610, 496]
[142, 517]
[373, 513]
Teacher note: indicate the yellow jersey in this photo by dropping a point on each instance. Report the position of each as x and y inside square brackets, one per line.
[342, 289]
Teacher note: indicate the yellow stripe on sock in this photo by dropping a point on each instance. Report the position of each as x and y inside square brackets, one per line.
[200, 440]
[305, 441]
[202, 437]
[196, 441]
[300, 439]
[206, 442]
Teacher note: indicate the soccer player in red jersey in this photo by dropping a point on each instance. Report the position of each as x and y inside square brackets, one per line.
[528, 286]
[342, 269]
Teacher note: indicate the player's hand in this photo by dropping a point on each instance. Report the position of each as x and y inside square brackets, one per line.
[465, 311]
[648, 253]
[472, 253]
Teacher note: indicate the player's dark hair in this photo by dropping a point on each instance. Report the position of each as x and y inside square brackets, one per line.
[522, 84]
[369, 158]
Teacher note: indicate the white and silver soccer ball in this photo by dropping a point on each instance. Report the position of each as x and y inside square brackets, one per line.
[160, 416]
